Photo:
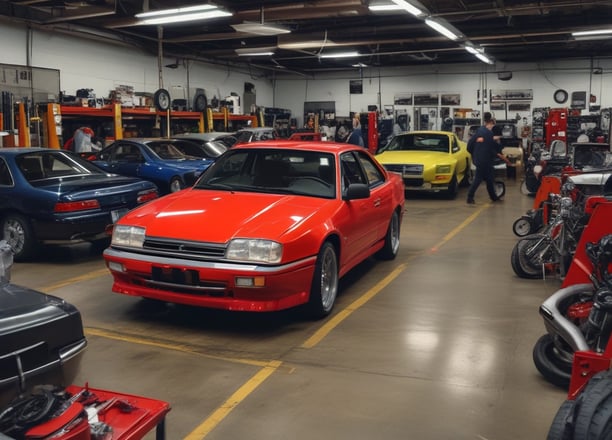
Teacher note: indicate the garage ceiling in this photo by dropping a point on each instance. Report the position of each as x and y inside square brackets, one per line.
[509, 31]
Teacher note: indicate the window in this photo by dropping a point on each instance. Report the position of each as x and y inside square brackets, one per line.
[373, 174]
[5, 174]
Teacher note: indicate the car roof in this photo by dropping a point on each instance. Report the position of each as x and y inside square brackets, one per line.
[14, 151]
[209, 136]
[322, 146]
[256, 129]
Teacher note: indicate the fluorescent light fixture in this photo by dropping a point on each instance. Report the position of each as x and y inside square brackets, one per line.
[595, 32]
[255, 51]
[191, 16]
[382, 7]
[340, 55]
[260, 28]
[444, 28]
[359, 65]
[471, 49]
[175, 11]
[411, 8]
[485, 59]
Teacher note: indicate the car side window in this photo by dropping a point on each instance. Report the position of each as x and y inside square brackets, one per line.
[454, 145]
[350, 170]
[373, 174]
[6, 179]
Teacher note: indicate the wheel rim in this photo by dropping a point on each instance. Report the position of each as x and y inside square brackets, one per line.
[395, 233]
[14, 235]
[522, 227]
[500, 189]
[175, 185]
[329, 278]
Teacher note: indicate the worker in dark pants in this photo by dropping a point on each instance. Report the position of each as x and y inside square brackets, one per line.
[484, 149]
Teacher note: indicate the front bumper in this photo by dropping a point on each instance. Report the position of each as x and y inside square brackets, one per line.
[209, 283]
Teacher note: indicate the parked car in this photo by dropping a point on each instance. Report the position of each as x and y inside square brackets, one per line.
[55, 196]
[210, 145]
[269, 226]
[256, 134]
[42, 340]
[435, 161]
[158, 160]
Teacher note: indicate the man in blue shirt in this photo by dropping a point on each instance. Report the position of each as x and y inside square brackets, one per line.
[484, 150]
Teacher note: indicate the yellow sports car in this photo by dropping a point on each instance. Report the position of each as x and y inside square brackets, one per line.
[428, 161]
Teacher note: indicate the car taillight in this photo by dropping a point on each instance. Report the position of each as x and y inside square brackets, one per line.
[147, 196]
[76, 206]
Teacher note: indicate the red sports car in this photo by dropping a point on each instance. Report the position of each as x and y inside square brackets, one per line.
[269, 226]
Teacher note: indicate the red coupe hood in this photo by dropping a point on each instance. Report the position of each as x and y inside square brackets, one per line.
[218, 216]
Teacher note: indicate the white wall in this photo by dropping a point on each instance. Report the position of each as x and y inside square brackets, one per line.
[101, 66]
[380, 86]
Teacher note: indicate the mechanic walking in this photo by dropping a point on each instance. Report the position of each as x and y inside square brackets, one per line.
[484, 149]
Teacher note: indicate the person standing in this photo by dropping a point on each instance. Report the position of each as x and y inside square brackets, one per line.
[484, 150]
[356, 136]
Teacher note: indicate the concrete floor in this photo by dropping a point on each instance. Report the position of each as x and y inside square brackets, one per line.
[434, 345]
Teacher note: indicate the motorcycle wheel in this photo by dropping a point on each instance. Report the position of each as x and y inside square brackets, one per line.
[523, 226]
[562, 427]
[594, 416]
[554, 369]
[521, 264]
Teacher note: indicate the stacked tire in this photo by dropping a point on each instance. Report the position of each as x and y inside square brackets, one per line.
[589, 416]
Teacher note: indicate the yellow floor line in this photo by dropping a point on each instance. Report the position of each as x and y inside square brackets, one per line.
[174, 347]
[456, 230]
[234, 400]
[84, 277]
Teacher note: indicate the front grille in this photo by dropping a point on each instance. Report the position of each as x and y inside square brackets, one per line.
[405, 168]
[184, 248]
[181, 281]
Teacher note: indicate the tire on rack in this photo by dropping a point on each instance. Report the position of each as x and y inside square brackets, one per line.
[18, 233]
[392, 239]
[161, 99]
[562, 427]
[520, 263]
[200, 102]
[551, 366]
[324, 287]
[594, 416]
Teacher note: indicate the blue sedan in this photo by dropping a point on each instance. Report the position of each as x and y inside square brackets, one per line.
[155, 159]
[54, 196]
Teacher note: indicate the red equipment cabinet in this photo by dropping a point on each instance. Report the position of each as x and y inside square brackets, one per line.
[555, 126]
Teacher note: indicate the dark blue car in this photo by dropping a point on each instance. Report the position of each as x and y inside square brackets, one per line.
[157, 160]
[54, 196]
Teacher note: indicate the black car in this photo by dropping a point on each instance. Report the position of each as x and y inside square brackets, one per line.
[41, 337]
[54, 196]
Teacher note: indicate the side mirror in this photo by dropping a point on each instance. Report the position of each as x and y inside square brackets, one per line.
[357, 191]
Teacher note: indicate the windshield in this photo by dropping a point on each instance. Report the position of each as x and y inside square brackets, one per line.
[418, 142]
[49, 164]
[166, 150]
[309, 173]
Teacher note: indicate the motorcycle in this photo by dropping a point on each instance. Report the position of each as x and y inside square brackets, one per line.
[576, 316]
[551, 249]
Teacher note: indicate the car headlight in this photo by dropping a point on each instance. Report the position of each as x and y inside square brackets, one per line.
[443, 169]
[132, 236]
[264, 251]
